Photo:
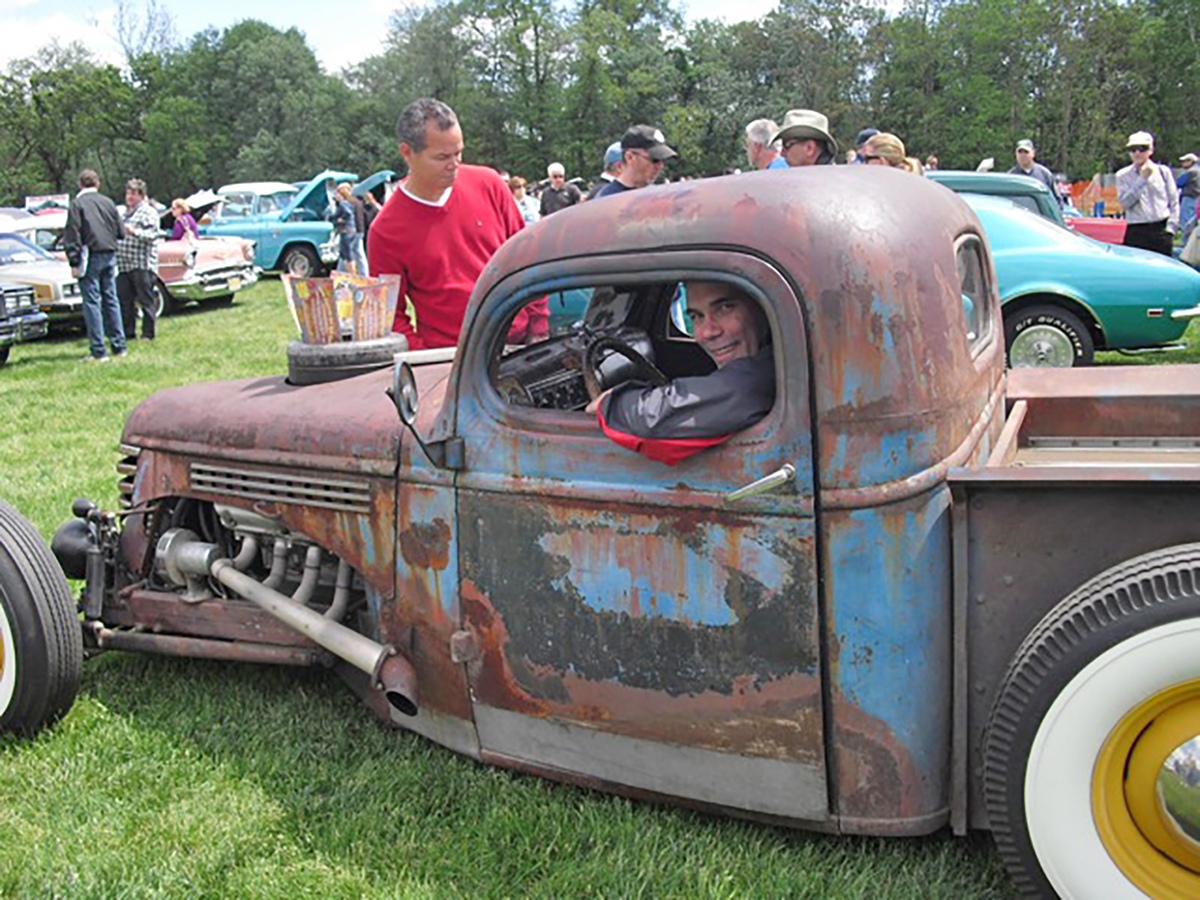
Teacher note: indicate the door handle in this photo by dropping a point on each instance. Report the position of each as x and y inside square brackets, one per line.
[767, 483]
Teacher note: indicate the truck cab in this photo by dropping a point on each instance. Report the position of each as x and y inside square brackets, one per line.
[774, 628]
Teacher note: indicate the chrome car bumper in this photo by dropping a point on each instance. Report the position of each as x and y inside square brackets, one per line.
[213, 284]
[28, 327]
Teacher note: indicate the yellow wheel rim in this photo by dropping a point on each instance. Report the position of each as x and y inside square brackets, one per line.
[1127, 804]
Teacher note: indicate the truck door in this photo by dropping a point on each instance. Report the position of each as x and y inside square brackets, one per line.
[631, 625]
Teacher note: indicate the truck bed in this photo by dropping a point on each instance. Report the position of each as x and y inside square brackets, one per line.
[1092, 467]
[1129, 418]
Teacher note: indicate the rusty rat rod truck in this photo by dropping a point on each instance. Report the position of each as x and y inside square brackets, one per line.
[918, 593]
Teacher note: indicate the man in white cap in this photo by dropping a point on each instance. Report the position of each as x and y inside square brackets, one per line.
[1188, 182]
[804, 139]
[612, 168]
[761, 151]
[644, 150]
[1147, 192]
[1027, 165]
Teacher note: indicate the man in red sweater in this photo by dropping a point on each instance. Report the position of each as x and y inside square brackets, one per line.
[440, 228]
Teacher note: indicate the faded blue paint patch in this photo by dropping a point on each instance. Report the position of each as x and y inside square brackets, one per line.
[367, 540]
[890, 593]
[628, 567]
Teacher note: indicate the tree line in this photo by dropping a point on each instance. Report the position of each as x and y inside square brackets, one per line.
[540, 80]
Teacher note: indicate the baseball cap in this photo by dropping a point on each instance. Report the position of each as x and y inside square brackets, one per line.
[613, 154]
[1025, 145]
[1140, 139]
[865, 135]
[1189, 157]
[643, 137]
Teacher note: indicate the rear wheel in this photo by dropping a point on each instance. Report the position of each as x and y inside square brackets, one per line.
[1047, 336]
[300, 262]
[1093, 750]
[41, 647]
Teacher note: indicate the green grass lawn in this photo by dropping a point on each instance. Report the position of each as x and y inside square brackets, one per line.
[175, 778]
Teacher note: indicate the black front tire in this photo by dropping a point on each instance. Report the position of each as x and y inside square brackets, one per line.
[41, 643]
[319, 363]
[1047, 336]
[164, 303]
[300, 262]
[1073, 746]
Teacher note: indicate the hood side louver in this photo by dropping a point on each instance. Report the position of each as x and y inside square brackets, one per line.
[347, 495]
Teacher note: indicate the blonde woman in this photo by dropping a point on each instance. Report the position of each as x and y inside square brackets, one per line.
[886, 149]
[185, 223]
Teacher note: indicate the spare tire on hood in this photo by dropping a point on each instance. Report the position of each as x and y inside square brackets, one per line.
[320, 363]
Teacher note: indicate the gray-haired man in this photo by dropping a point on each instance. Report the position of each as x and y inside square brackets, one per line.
[761, 150]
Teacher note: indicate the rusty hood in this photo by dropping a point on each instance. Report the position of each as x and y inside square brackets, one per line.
[342, 426]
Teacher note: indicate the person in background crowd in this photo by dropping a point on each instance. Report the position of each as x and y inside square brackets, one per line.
[1147, 191]
[1188, 183]
[137, 262]
[94, 228]
[346, 228]
[860, 139]
[644, 151]
[805, 139]
[360, 232]
[441, 227]
[558, 194]
[884, 149]
[931, 163]
[1031, 168]
[851, 157]
[185, 224]
[761, 151]
[526, 204]
[612, 168]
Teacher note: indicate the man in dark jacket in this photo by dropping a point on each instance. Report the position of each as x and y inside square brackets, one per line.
[93, 230]
[690, 414]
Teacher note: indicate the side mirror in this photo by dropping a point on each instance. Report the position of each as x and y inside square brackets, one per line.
[404, 396]
[404, 393]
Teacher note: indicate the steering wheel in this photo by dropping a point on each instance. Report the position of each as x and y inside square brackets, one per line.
[644, 370]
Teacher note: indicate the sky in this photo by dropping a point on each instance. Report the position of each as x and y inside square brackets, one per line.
[355, 33]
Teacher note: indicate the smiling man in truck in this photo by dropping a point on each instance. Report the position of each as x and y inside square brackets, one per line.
[690, 414]
[439, 230]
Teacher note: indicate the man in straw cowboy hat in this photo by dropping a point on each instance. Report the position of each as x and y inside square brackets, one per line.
[805, 140]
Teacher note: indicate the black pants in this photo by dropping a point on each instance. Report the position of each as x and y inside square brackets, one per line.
[136, 289]
[1150, 236]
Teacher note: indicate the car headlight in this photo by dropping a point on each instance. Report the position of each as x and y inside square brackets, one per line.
[12, 300]
[71, 289]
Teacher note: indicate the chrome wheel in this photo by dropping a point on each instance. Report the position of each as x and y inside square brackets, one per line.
[1042, 345]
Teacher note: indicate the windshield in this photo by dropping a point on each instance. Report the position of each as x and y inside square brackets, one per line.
[15, 249]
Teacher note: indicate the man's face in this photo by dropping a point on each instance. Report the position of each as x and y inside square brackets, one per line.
[801, 151]
[133, 198]
[435, 167]
[557, 180]
[725, 322]
[640, 170]
[1025, 158]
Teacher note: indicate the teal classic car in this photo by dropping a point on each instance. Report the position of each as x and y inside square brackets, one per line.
[1065, 296]
[288, 224]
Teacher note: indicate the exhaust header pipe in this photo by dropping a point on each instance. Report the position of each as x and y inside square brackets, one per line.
[390, 672]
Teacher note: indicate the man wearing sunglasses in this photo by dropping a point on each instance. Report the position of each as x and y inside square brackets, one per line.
[804, 139]
[644, 151]
[1147, 191]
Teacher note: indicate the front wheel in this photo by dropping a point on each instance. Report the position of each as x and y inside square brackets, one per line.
[1047, 336]
[300, 262]
[1092, 754]
[41, 646]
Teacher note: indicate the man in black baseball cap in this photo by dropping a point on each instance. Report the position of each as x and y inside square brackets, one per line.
[644, 150]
